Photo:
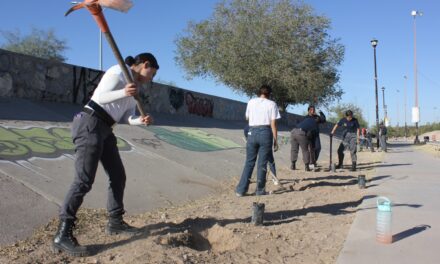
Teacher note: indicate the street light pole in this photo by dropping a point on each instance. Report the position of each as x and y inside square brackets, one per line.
[384, 106]
[397, 113]
[415, 13]
[374, 44]
[100, 50]
[404, 107]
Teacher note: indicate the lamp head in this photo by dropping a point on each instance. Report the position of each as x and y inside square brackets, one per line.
[415, 13]
[374, 42]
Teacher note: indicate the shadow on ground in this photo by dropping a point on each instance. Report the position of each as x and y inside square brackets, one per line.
[196, 226]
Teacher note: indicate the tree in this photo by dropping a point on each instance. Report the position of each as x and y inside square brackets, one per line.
[249, 43]
[39, 43]
[338, 112]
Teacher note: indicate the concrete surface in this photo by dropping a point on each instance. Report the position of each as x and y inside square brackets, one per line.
[178, 159]
[411, 180]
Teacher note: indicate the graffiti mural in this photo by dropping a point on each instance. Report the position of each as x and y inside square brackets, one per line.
[199, 106]
[84, 81]
[24, 143]
[176, 98]
[192, 139]
[154, 143]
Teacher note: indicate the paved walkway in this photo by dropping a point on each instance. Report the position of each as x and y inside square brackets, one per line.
[410, 178]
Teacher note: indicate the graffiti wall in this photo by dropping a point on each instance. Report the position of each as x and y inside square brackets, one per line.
[33, 78]
[188, 139]
[53, 142]
[60, 82]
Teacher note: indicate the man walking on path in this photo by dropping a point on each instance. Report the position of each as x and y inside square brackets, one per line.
[92, 134]
[350, 138]
[262, 114]
[383, 131]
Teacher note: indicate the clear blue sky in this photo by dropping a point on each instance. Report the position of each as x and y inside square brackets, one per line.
[153, 26]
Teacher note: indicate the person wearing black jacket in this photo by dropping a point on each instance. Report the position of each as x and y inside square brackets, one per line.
[311, 113]
[304, 136]
[350, 138]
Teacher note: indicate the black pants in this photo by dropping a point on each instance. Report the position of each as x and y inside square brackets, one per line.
[299, 139]
[349, 142]
[315, 144]
[94, 141]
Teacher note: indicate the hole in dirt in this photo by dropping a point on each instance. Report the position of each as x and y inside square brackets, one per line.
[216, 238]
[188, 239]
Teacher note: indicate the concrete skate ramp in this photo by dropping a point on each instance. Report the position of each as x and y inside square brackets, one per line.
[178, 159]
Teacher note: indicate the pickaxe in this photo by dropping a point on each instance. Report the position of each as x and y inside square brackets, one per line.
[95, 8]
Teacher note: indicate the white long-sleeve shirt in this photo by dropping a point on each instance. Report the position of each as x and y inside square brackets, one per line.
[110, 95]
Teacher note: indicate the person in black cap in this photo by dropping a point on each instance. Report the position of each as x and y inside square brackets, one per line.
[311, 113]
[350, 138]
[92, 133]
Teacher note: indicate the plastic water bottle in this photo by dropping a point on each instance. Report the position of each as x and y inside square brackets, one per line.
[383, 221]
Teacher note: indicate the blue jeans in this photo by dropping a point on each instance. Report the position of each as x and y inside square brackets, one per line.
[259, 143]
[271, 158]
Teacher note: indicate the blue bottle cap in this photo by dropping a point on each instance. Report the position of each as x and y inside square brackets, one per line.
[384, 204]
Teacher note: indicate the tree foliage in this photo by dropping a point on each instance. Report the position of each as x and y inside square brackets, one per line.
[411, 130]
[338, 112]
[278, 42]
[39, 43]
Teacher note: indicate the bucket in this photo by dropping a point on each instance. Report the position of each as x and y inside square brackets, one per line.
[383, 221]
[257, 213]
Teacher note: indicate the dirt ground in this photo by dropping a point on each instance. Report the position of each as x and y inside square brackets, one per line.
[430, 148]
[305, 221]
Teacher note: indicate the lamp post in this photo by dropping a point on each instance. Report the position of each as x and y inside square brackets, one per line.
[404, 105]
[384, 106]
[416, 118]
[397, 103]
[374, 44]
[100, 50]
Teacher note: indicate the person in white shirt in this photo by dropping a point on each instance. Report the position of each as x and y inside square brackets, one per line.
[262, 114]
[112, 102]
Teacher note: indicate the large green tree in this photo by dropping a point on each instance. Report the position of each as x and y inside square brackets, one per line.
[40, 43]
[282, 43]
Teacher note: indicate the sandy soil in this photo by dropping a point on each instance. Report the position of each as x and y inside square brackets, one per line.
[430, 148]
[305, 221]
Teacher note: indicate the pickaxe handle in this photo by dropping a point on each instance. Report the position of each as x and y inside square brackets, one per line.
[96, 10]
[127, 76]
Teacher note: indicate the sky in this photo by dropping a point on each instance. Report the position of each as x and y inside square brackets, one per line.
[153, 26]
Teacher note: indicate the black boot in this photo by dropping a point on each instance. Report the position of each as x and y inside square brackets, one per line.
[340, 164]
[307, 168]
[353, 166]
[116, 225]
[64, 241]
[293, 165]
